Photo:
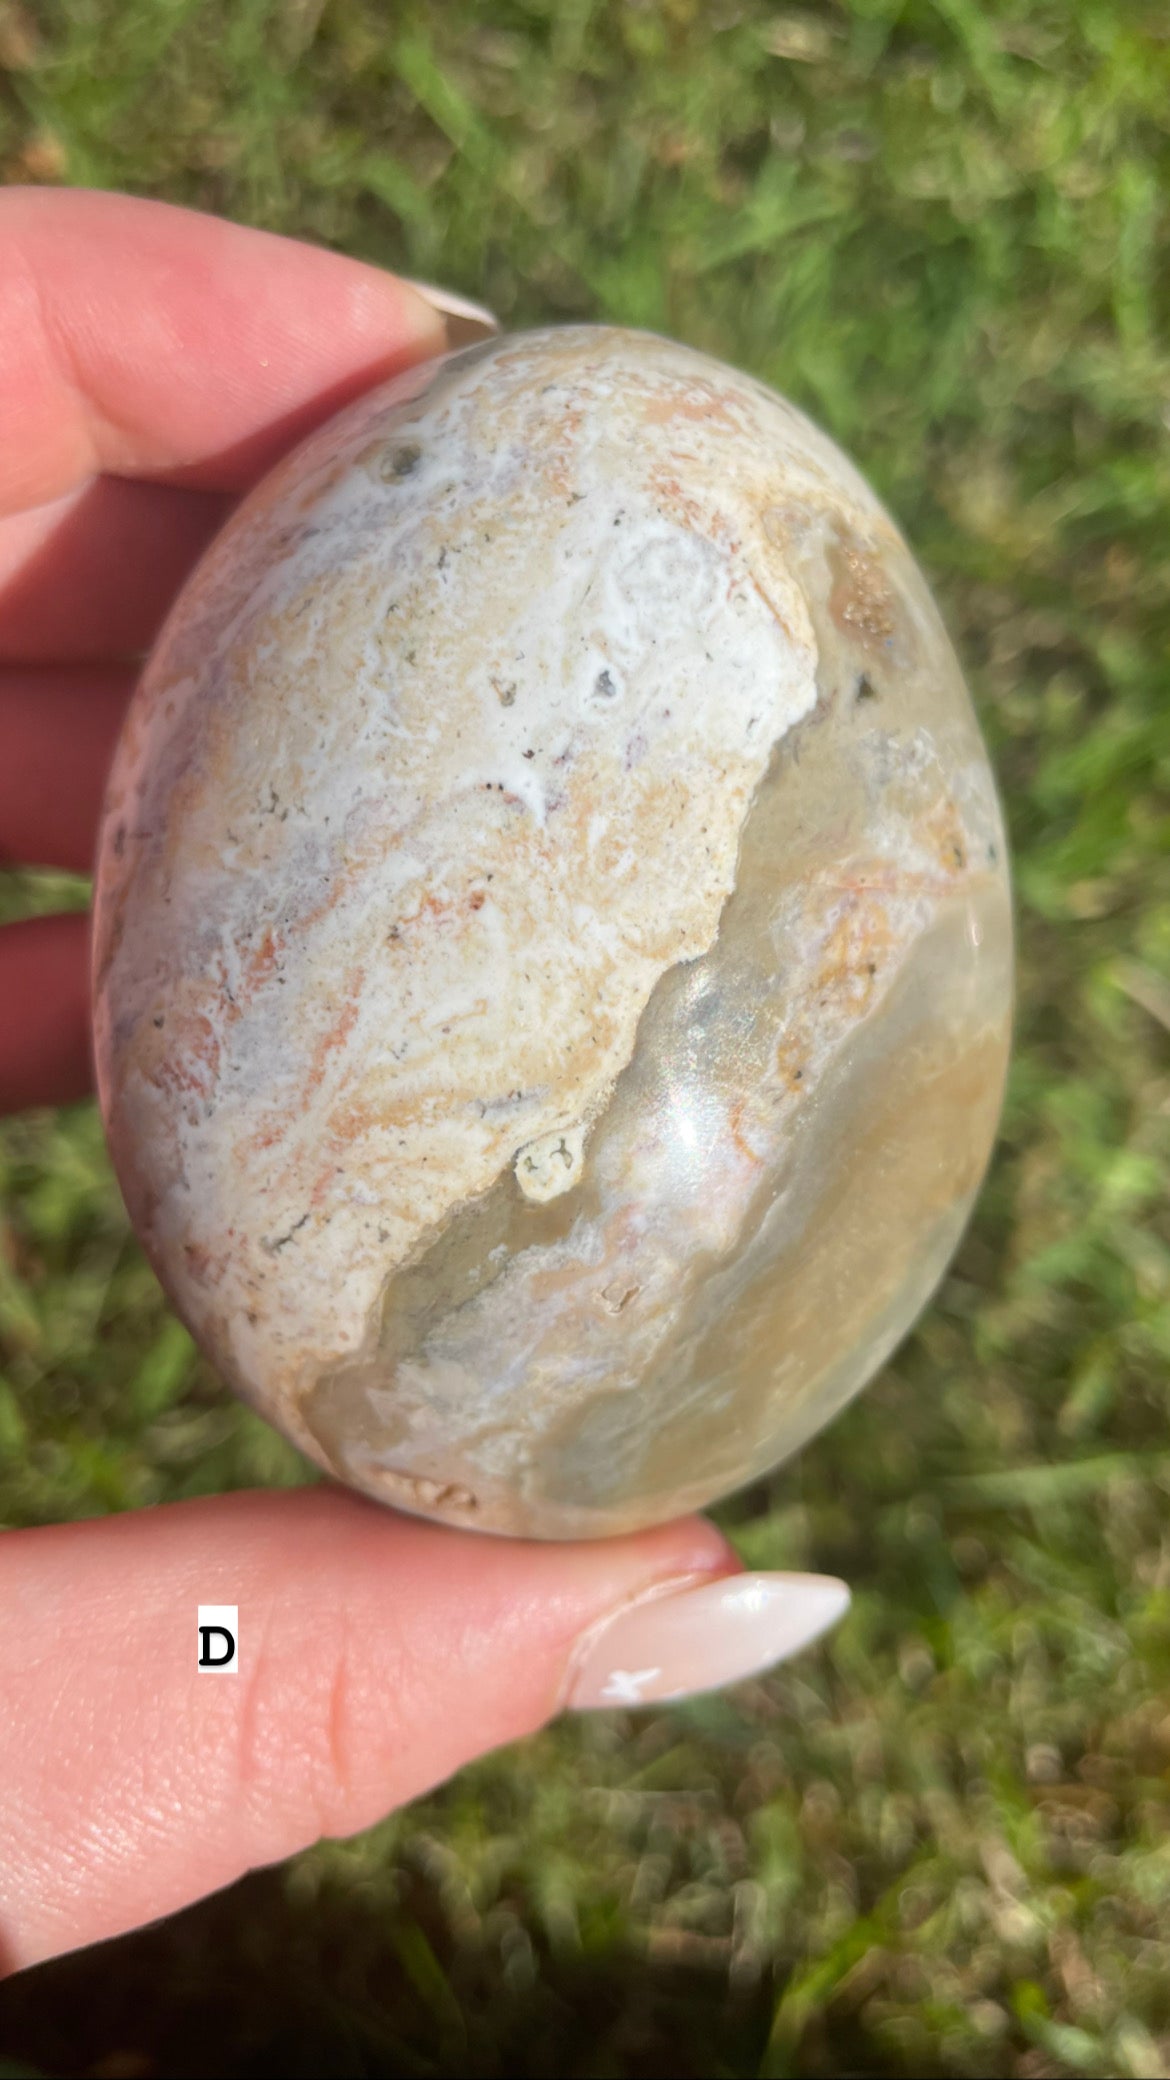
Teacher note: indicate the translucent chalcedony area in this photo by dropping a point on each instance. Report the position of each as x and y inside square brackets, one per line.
[553, 953]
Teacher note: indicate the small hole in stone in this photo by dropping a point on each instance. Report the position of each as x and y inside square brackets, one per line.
[403, 460]
[616, 1297]
[603, 685]
[865, 689]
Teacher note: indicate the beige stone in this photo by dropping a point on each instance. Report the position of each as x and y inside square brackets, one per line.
[553, 950]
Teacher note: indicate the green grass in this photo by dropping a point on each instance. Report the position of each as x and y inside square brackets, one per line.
[940, 1843]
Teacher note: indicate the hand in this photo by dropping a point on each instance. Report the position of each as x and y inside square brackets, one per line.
[152, 364]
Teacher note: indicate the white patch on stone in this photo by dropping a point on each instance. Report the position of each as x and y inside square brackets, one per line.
[551, 1165]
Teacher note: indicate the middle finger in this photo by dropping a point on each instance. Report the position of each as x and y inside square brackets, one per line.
[91, 576]
[58, 728]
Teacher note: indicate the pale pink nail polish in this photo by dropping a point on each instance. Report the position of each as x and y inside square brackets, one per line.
[700, 1636]
[467, 322]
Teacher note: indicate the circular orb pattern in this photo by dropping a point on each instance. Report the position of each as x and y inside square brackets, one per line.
[553, 938]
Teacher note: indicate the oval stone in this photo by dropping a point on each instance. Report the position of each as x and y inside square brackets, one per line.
[553, 938]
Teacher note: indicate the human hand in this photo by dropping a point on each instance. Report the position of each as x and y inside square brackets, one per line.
[152, 364]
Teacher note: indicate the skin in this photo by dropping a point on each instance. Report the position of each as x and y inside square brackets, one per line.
[153, 363]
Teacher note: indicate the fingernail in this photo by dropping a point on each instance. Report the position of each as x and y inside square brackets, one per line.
[467, 322]
[700, 1636]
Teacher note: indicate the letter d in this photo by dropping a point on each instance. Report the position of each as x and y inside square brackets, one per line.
[219, 1632]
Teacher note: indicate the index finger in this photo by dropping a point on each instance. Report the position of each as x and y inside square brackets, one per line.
[141, 339]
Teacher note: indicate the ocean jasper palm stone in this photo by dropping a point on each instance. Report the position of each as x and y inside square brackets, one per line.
[553, 944]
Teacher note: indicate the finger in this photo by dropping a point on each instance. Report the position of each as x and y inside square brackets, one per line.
[44, 1012]
[376, 1655]
[142, 339]
[91, 575]
[58, 729]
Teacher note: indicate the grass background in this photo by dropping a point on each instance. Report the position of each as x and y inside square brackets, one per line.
[940, 1843]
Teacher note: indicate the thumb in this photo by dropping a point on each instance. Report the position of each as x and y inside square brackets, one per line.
[375, 1654]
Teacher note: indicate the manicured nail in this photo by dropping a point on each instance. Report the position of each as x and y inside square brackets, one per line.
[700, 1636]
[467, 322]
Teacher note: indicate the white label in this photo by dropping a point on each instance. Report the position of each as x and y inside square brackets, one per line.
[219, 1639]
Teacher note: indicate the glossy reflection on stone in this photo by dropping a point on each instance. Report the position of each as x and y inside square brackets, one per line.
[553, 951]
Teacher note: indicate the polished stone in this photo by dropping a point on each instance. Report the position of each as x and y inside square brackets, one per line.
[553, 947]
